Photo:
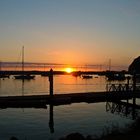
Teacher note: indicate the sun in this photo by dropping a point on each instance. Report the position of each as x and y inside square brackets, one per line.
[68, 70]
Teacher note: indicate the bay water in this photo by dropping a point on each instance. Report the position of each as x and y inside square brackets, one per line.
[55, 122]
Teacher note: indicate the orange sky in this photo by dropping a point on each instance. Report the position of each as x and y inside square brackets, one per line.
[70, 32]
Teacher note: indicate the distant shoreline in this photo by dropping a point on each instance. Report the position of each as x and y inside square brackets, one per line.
[59, 72]
[58, 66]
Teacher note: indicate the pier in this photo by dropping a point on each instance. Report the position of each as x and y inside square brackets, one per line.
[41, 101]
[122, 87]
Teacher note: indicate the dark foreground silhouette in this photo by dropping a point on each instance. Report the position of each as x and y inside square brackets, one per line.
[13, 138]
[117, 136]
[133, 132]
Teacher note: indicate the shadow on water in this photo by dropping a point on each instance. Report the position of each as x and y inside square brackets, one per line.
[51, 121]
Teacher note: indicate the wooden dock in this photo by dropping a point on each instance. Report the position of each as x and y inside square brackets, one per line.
[41, 101]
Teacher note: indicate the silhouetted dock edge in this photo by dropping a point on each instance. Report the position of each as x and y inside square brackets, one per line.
[40, 101]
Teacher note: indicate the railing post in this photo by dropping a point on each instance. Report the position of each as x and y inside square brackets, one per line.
[134, 82]
[107, 87]
[51, 82]
[119, 87]
[128, 82]
[126, 88]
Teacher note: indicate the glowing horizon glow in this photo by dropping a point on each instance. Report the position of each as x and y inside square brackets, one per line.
[75, 32]
[69, 70]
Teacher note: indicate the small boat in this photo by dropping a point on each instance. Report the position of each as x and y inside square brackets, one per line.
[87, 76]
[119, 77]
[44, 73]
[4, 76]
[28, 77]
[24, 76]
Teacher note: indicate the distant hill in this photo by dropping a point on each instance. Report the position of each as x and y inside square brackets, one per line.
[135, 66]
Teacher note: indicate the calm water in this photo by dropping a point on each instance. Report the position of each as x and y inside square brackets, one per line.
[38, 124]
[62, 84]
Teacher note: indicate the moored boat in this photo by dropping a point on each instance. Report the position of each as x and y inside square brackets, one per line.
[4, 76]
[28, 77]
[24, 76]
[87, 76]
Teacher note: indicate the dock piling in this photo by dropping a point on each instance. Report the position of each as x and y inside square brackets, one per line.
[51, 82]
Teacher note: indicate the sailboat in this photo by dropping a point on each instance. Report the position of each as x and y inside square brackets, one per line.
[23, 75]
[44, 73]
[86, 76]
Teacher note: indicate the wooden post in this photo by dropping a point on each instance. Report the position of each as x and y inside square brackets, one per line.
[128, 82]
[134, 99]
[51, 82]
[133, 109]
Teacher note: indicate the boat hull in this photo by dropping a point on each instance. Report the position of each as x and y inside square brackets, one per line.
[28, 77]
[87, 76]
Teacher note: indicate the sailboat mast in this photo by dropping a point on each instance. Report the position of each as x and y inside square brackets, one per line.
[109, 65]
[23, 59]
[0, 65]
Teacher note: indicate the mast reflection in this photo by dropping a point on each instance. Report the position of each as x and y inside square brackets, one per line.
[22, 90]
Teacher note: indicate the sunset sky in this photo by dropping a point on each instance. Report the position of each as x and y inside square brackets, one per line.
[70, 31]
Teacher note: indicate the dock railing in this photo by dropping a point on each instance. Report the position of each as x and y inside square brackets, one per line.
[122, 87]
